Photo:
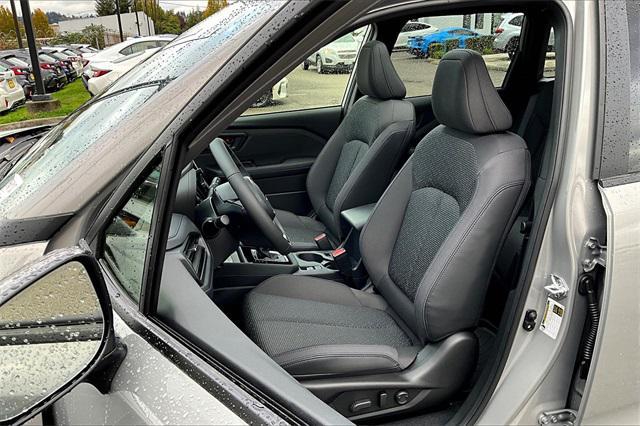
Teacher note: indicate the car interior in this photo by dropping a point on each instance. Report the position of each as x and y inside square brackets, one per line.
[368, 249]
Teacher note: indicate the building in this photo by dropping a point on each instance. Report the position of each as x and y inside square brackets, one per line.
[129, 24]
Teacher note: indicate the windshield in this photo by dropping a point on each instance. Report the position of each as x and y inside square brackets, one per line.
[347, 38]
[188, 49]
[46, 58]
[66, 143]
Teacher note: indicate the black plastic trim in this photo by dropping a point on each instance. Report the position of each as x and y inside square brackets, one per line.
[31, 273]
[22, 231]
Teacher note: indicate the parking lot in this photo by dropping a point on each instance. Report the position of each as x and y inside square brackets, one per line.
[308, 89]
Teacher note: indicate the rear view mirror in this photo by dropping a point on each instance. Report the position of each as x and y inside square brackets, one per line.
[52, 330]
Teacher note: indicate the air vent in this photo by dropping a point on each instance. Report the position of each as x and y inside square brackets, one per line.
[196, 254]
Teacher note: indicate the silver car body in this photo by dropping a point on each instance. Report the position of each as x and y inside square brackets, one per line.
[537, 374]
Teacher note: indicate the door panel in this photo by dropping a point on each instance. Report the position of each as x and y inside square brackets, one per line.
[278, 150]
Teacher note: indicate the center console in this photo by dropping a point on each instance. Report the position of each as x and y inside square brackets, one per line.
[249, 266]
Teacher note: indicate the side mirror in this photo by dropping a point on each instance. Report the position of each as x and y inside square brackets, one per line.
[55, 321]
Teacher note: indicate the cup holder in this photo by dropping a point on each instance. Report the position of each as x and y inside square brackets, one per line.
[312, 257]
[315, 260]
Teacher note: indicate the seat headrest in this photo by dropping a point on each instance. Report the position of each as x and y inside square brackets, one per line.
[375, 74]
[464, 97]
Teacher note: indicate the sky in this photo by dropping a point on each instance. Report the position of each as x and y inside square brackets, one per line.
[83, 7]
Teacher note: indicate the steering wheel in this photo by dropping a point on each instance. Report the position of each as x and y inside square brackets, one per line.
[252, 198]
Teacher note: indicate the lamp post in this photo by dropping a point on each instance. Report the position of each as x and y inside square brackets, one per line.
[40, 100]
[119, 21]
[15, 23]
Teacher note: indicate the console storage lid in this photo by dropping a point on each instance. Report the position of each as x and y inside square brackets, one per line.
[357, 217]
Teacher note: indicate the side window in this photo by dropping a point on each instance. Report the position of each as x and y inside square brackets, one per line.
[127, 51]
[550, 58]
[126, 237]
[320, 81]
[517, 21]
[416, 54]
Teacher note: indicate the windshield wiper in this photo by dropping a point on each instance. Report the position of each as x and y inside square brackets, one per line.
[161, 83]
[10, 156]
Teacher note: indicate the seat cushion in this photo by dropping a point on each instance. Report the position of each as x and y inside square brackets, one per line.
[319, 328]
[302, 230]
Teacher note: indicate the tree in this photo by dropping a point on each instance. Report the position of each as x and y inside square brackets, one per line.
[193, 18]
[105, 7]
[6, 22]
[108, 7]
[41, 24]
[168, 23]
[213, 6]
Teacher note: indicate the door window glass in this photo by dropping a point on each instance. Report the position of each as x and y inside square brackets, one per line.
[417, 52]
[127, 236]
[550, 58]
[320, 81]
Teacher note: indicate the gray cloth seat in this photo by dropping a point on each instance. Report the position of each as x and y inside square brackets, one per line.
[357, 162]
[314, 328]
[429, 248]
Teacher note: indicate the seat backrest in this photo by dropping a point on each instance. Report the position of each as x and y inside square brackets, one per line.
[358, 161]
[432, 240]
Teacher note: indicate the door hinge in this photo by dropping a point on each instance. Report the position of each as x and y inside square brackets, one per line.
[595, 254]
[564, 416]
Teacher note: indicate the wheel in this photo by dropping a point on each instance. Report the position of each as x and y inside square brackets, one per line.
[264, 100]
[319, 67]
[512, 47]
[305, 65]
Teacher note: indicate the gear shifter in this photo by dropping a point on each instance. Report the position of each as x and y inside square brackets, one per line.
[262, 255]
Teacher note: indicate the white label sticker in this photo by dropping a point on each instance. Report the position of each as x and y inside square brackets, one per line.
[552, 319]
[11, 186]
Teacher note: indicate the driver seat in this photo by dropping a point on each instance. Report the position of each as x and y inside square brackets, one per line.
[357, 162]
[429, 247]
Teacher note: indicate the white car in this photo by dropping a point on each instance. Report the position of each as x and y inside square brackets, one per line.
[278, 91]
[339, 55]
[102, 74]
[412, 29]
[126, 48]
[11, 93]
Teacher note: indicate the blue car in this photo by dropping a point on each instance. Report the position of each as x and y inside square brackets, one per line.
[419, 45]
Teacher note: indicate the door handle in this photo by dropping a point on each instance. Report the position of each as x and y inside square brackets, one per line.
[234, 140]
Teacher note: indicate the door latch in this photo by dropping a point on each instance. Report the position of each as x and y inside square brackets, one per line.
[564, 416]
[558, 288]
[596, 254]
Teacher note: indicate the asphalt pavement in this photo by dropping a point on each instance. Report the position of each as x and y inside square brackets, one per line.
[308, 89]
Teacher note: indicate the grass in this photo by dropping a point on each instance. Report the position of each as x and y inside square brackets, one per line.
[71, 97]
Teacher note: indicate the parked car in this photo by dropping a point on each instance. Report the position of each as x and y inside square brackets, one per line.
[507, 34]
[420, 45]
[72, 64]
[338, 56]
[23, 74]
[128, 47]
[102, 74]
[166, 259]
[74, 55]
[412, 29]
[278, 91]
[11, 93]
[64, 70]
[53, 76]
[86, 49]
